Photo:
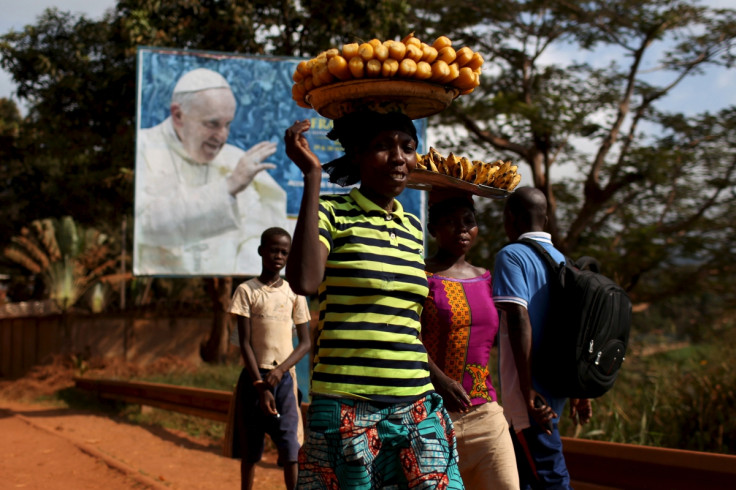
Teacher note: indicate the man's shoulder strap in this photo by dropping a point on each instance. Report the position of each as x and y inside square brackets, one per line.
[542, 252]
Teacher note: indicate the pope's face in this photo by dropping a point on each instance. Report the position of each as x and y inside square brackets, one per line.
[204, 125]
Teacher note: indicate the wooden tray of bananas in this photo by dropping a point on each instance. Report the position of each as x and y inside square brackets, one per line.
[409, 75]
[495, 180]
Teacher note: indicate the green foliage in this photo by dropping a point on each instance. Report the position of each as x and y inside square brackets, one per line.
[13, 208]
[76, 142]
[331, 23]
[70, 258]
[681, 398]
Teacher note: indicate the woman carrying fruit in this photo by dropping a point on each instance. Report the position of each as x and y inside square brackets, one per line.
[375, 419]
[459, 325]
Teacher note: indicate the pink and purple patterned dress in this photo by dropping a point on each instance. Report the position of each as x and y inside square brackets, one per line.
[459, 326]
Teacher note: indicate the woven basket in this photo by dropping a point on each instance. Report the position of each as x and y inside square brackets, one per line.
[414, 98]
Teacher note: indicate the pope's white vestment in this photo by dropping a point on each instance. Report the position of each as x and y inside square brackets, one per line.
[186, 222]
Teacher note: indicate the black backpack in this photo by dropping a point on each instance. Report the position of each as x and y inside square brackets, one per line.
[588, 323]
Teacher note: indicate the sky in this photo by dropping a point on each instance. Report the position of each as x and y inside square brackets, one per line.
[16, 14]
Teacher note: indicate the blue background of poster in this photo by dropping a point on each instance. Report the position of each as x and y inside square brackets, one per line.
[262, 89]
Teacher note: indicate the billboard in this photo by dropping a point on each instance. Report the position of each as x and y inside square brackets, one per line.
[197, 211]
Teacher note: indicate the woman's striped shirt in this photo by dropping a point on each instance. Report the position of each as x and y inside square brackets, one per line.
[371, 300]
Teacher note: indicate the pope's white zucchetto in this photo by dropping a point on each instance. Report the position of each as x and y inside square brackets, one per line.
[200, 79]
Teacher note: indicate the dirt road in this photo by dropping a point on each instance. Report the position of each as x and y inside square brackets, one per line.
[43, 447]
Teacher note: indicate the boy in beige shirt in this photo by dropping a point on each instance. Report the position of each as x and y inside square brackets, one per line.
[266, 401]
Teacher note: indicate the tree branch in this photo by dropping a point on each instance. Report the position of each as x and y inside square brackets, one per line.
[494, 140]
[688, 223]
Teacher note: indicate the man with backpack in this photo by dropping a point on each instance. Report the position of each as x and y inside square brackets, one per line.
[521, 292]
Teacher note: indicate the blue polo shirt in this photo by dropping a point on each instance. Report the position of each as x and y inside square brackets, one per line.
[521, 276]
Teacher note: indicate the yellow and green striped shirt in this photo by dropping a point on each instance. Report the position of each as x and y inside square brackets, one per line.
[371, 300]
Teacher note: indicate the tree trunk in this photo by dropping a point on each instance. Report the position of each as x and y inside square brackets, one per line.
[214, 350]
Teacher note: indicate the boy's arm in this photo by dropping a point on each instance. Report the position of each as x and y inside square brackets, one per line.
[246, 351]
[305, 343]
[268, 404]
[519, 328]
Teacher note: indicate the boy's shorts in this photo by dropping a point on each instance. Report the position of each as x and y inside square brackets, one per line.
[251, 424]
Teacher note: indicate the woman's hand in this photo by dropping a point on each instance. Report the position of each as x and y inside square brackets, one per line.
[297, 148]
[452, 393]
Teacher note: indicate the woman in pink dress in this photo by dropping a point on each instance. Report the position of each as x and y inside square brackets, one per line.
[459, 326]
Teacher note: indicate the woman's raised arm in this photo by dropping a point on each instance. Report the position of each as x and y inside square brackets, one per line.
[305, 266]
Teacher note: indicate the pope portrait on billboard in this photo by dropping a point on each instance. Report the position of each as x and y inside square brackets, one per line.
[211, 171]
[201, 202]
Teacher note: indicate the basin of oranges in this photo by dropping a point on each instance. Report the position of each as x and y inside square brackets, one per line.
[410, 75]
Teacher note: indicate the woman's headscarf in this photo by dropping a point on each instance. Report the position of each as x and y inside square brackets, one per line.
[354, 131]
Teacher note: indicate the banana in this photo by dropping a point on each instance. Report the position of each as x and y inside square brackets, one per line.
[467, 167]
[420, 162]
[410, 39]
[429, 54]
[476, 166]
[414, 52]
[463, 56]
[435, 156]
[514, 183]
[453, 166]
[397, 50]
[465, 79]
[481, 175]
[498, 174]
[492, 173]
[440, 70]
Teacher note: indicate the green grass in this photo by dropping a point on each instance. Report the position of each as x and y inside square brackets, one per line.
[206, 376]
[681, 399]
